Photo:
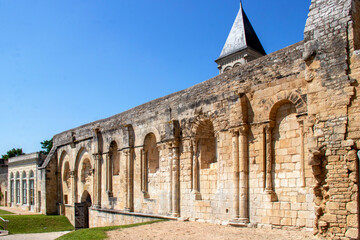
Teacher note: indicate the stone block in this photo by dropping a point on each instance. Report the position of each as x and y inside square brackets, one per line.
[329, 218]
[352, 207]
[352, 233]
[352, 220]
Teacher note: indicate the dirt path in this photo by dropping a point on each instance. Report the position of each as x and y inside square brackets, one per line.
[176, 230]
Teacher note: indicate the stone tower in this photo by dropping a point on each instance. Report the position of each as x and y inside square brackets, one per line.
[242, 44]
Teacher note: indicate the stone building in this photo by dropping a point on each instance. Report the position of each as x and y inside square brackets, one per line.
[24, 182]
[3, 181]
[271, 141]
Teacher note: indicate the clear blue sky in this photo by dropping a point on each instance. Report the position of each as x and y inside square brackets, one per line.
[70, 62]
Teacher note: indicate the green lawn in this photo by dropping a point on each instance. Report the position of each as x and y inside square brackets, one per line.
[37, 223]
[99, 232]
[2, 212]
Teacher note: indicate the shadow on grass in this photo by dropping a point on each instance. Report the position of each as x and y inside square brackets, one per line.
[99, 232]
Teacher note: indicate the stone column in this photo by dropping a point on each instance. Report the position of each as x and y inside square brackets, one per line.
[108, 175]
[129, 180]
[175, 179]
[73, 186]
[244, 174]
[97, 180]
[235, 160]
[144, 188]
[269, 157]
[195, 163]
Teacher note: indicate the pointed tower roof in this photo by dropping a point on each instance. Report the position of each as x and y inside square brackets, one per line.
[241, 36]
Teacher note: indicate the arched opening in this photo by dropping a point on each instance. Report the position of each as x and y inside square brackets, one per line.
[17, 184]
[82, 211]
[24, 188]
[206, 155]
[86, 198]
[228, 68]
[11, 189]
[113, 167]
[288, 167]
[86, 171]
[151, 164]
[66, 186]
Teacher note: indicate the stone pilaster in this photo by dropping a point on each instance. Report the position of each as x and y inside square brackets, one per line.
[73, 186]
[175, 179]
[269, 188]
[97, 181]
[235, 160]
[129, 180]
[196, 172]
[244, 174]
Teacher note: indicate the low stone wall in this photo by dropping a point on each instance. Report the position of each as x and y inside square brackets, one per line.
[107, 217]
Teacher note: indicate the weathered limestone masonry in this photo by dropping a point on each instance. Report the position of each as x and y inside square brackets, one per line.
[271, 142]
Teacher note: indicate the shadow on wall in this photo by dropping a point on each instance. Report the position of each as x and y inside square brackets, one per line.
[356, 16]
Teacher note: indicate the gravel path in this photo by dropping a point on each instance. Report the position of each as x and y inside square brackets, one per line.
[176, 230]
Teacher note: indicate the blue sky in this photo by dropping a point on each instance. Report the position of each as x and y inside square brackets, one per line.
[66, 63]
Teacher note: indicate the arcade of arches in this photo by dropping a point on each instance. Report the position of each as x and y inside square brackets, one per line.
[269, 142]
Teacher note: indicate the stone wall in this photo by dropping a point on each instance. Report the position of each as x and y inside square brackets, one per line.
[270, 143]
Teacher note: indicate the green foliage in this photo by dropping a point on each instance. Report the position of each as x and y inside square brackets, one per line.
[98, 233]
[37, 223]
[47, 145]
[13, 153]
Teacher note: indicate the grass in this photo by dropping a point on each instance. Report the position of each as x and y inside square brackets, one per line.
[37, 223]
[3, 212]
[99, 233]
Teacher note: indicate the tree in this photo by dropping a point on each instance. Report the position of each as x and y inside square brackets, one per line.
[13, 153]
[47, 145]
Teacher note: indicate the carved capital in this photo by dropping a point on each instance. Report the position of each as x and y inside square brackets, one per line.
[234, 132]
[269, 127]
[72, 174]
[243, 130]
[126, 152]
[97, 156]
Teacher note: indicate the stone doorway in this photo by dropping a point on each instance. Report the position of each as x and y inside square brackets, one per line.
[82, 211]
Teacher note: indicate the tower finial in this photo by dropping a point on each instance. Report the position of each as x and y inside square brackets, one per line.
[242, 44]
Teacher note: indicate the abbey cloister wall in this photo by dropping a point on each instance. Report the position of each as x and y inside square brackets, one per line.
[270, 143]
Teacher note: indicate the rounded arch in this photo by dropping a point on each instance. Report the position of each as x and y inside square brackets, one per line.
[62, 158]
[201, 118]
[114, 158]
[110, 143]
[12, 175]
[236, 65]
[83, 172]
[23, 174]
[17, 175]
[275, 102]
[31, 174]
[228, 68]
[152, 152]
[152, 130]
[86, 197]
[275, 108]
[66, 171]
[81, 155]
[205, 141]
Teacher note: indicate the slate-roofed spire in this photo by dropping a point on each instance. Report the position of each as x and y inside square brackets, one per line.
[242, 44]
